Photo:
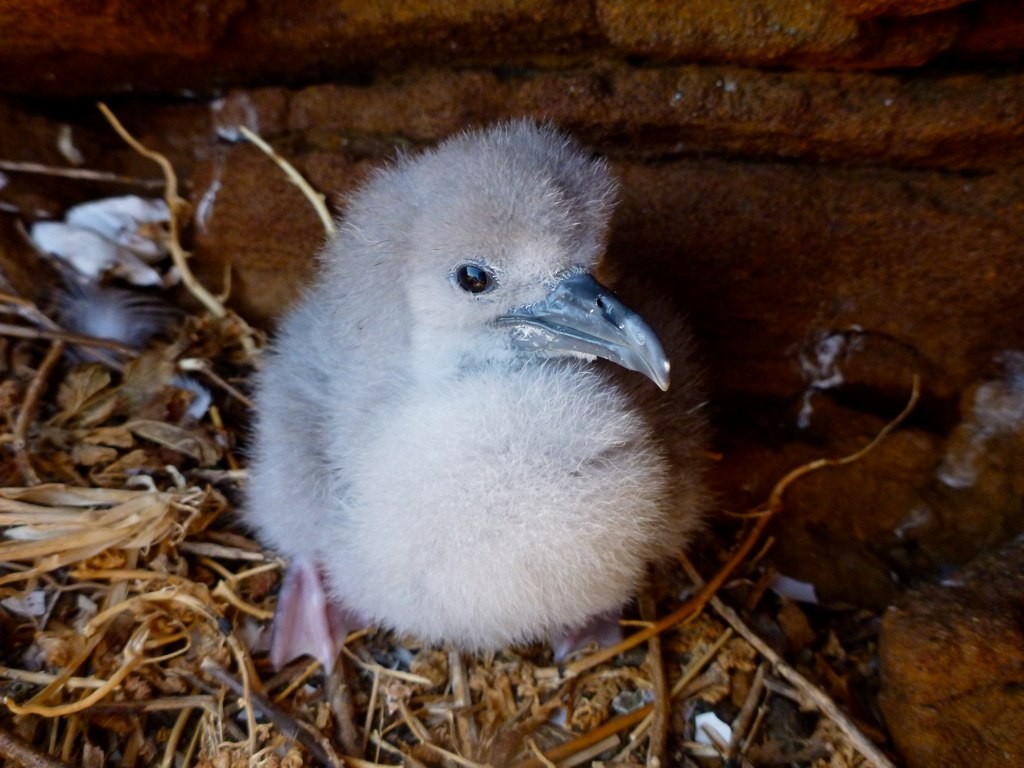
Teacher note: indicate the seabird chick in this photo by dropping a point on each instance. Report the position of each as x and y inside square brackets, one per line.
[441, 447]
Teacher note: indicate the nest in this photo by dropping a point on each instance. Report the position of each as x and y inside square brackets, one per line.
[134, 607]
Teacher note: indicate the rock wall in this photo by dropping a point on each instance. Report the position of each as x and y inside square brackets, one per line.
[118, 45]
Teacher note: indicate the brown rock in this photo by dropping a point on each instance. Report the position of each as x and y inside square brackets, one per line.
[731, 30]
[997, 31]
[866, 9]
[966, 121]
[837, 525]
[816, 33]
[113, 47]
[251, 219]
[978, 496]
[119, 27]
[953, 667]
[768, 258]
[22, 272]
[167, 45]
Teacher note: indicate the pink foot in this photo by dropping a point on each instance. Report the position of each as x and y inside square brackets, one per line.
[306, 622]
[603, 630]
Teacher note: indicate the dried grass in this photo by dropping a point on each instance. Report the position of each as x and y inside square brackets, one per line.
[146, 645]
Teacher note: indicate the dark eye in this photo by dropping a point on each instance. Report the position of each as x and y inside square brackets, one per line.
[473, 279]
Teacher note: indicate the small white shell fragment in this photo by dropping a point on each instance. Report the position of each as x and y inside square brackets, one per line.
[32, 605]
[91, 254]
[123, 220]
[800, 591]
[710, 721]
[66, 145]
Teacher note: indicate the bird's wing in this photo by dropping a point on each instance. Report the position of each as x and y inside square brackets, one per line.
[290, 483]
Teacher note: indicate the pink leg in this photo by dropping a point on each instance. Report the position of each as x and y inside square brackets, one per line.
[306, 623]
[603, 629]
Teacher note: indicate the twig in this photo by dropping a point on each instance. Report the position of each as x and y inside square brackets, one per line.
[339, 697]
[203, 366]
[26, 309]
[371, 666]
[44, 678]
[539, 755]
[315, 198]
[741, 723]
[599, 734]
[174, 738]
[808, 691]
[168, 703]
[310, 669]
[247, 673]
[414, 724]
[371, 708]
[27, 414]
[71, 732]
[384, 746]
[21, 332]
[223, 591]
[24, 755]
[755, 729]
[465, 725]
[717, 742]
[293, 729]
[175, 204]
[210, 549]
[683, 683]
[133, 659]
[658, 733]
[447, 754]
[84, 174]
[586, 755]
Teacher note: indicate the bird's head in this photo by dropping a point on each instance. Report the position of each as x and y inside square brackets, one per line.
[503, 228]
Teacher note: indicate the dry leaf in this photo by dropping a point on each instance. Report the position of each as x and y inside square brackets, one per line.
[79, 389]
[90, 455]
[115, 437]
[191, 443]
[133, 462]
[146, 376]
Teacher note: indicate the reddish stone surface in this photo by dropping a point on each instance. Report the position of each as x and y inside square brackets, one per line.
[769, 257]
[866, 9]
[161, 46]
[957, 121]
[120, 27]
[953, 667]
[166, 45]
[813, 33]
[257, 223]
[996, 31]
[838, 526]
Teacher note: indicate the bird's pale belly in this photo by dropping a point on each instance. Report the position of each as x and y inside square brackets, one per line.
[507, 522]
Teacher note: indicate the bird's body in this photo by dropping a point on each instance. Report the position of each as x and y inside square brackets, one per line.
[436, 446]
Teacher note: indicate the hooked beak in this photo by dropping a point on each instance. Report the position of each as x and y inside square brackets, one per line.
[582, 316]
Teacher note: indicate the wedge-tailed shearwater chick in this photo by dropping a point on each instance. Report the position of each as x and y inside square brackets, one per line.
[439, 448]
